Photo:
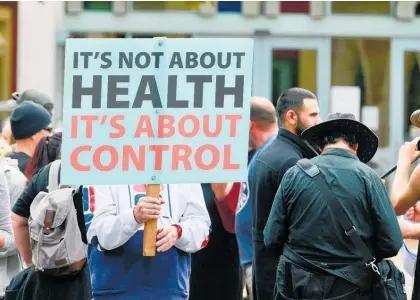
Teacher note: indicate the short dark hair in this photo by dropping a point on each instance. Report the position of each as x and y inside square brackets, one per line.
[292, 99]
[333, 138]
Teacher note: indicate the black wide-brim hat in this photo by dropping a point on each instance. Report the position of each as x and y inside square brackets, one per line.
[345, 123]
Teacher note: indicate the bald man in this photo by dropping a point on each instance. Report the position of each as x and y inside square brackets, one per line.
[262, 130]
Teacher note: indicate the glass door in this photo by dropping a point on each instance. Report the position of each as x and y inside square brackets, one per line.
[282, 63]
[404, 90]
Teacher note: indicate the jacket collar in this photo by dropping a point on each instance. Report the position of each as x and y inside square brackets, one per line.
[340, 152]
[291, 138]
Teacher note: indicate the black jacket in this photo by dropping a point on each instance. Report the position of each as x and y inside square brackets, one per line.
[270, 167]
[364, 200]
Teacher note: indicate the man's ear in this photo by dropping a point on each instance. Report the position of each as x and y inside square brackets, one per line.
[291, 117]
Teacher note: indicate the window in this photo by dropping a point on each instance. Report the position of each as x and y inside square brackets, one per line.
[365, 63]
[361, 7]
[98, 5]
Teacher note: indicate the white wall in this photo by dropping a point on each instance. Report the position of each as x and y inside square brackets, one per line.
[36, 55]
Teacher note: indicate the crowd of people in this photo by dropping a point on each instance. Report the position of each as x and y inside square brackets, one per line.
[313, 220]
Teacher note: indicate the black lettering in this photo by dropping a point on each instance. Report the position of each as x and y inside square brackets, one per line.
[138, 58]
[176, 60]
[203, 60]
[106, 60]
[172, 101]
[192, 61]
[75, 60]
[114, 91]
[86, 56]
[237, 91]
[238, 58]
[79, 91]
[157, 56]
[198, 81]
[220, 60]
[125, 61]
[147, 81]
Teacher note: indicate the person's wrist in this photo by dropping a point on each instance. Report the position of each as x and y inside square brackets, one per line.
[135, 218]
[404, 162]
[178, 230]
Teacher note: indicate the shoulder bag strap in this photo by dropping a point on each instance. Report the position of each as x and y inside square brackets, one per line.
[53, 183]
[337, 210]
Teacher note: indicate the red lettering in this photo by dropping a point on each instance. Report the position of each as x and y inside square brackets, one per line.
[166, 122]
[181, 153]
[138, 159]
[74, 158]
[98, 154]
[158, 149]
[117, 126]
[233, 123]
[89, 124]
[144, 126]
[206, 126]
[215, 157]
[195, 126]
[74, 127]
[227, 158]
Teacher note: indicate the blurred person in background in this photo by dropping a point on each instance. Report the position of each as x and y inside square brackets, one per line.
[34, 96]
[6, 132]
[10, 187]
[297, 109]
[29, 122]
[44, 287]
[5, 148]
[262, 131]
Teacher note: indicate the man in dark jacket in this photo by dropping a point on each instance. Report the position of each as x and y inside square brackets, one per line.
[306, 225]
[297, 109]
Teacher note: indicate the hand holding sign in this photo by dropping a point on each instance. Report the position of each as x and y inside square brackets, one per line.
[147, 209]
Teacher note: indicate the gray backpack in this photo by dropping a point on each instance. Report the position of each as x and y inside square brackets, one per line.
[56, 241]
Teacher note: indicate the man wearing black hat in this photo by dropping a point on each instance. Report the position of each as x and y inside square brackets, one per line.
[29, 122]
[306, 225]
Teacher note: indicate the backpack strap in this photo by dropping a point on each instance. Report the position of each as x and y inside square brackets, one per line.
[337, 211]
[53, 183]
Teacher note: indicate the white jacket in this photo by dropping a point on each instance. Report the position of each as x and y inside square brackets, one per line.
[114, 224]
[12, 184]
[116, 261]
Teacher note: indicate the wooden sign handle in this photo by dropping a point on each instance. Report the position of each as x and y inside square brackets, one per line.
[150, 227]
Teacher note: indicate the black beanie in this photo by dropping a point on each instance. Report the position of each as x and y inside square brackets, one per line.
[27, 119]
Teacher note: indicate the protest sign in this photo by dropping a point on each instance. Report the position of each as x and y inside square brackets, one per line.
[156, 111]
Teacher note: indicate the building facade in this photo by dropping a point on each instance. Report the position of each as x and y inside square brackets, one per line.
[374, 46]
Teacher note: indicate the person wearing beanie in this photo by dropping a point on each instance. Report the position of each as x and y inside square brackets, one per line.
[29, 122]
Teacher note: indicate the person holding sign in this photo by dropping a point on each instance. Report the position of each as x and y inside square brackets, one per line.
[118, 267]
